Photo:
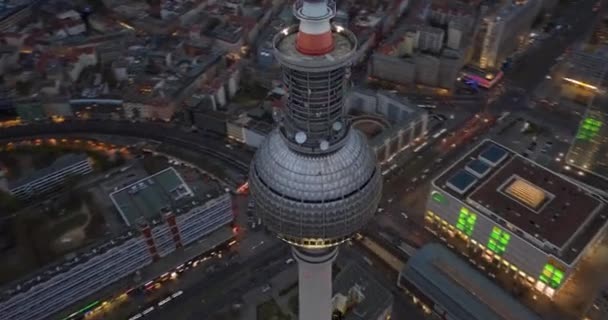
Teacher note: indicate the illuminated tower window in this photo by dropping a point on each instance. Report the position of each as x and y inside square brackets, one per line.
[551, 276]
[589, 129]
[438, 197]
[499, 240]
[466, 221]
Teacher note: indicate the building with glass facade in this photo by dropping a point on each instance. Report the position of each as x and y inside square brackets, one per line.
[516, 214]
[589, 149]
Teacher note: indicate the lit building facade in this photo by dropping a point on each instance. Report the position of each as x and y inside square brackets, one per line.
[502, 32]
[51, 177]
[584, 74]
[54, 288]
[589, 149]
[404, 123]
[515, 214]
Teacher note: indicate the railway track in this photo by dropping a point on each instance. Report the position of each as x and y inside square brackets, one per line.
[150, 131]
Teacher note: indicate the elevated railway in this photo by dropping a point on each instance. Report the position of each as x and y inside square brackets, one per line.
[160, 132]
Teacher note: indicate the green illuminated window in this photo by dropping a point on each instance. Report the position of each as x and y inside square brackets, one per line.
[466, 221]
[551, 276]
[499, 240]
[437, 197]
[589, 128]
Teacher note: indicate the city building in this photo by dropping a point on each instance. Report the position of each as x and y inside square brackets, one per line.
[589, 148]
[148, 197]
[393, 68]
[57, 286]
[583, 74]
[12, 16]
[443, 13]
[358, 296]
[315, 179]
[409, 43]
[427, 69]
[51, 177]
[430, 39]
[439, 70]
[229, 37]
[450, 63]
[264, 46]
[401, 121]
[599, 308]
[485, 78]
[516, 215]
[448, 286]
[167, 217]
[503, 30]
[247, 130]
[456, 31]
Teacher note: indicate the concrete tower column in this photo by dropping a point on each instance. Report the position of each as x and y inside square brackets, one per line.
[314, 282]
[315, 180]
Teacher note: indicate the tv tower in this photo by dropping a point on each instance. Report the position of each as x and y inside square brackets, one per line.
[315, 179]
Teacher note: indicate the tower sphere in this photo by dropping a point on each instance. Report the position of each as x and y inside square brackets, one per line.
[315, 202]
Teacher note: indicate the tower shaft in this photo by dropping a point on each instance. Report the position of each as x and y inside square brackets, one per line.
[314, 105]
[315, 283]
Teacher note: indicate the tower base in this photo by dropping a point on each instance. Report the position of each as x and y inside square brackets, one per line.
[315, 282]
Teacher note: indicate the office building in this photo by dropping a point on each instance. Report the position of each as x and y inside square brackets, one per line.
[515, 214]
[315, 179]
[589, 148]
[427, 69]
[166, 219]
[393, 68]
[452, 289]
[501, 32]
[584, 74]
[456, 31]
[408, 45]
[450, 64]
[402, 121]
[12, 16]
[51, 177]
[430, 39]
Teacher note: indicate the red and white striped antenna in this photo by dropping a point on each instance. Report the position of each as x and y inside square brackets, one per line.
[315, 35]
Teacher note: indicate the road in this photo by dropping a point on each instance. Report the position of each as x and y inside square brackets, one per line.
[532, 67]
[536, 62]
[206, 297]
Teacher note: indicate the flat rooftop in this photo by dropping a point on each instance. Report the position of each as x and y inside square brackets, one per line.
[529, 196]
[375, 298]
[465, 293]
[148, 197]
